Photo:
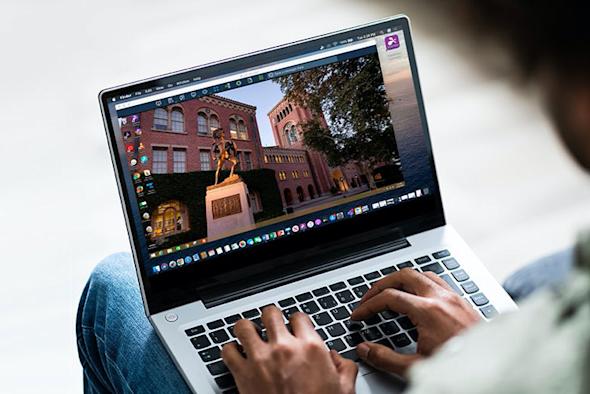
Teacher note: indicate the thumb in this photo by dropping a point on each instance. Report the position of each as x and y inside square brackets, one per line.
[386, 359]
[347, 369]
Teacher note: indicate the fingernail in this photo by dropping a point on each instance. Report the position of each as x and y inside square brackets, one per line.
[363, 350]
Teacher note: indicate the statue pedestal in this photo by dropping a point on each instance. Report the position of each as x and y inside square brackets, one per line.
[227, 207]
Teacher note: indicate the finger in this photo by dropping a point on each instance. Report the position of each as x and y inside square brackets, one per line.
[247, 334]
[386, 359]
[232, 358]
[347, 369]
[407, 280]
[303, 327]
[393, 300]
[273, 321]
[438, 280]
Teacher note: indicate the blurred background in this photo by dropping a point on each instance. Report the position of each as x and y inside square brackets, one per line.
[508, 186]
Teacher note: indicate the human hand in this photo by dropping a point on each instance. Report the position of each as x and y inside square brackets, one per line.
[287, 363]
[437, 312]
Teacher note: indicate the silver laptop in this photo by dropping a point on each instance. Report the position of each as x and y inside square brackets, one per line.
[295, 176]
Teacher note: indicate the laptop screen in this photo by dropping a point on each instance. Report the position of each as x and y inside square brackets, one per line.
[279, 147]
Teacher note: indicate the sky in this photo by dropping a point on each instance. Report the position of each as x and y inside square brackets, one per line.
[263, 95]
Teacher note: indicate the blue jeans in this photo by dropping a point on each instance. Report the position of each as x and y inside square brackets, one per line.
[120, 351]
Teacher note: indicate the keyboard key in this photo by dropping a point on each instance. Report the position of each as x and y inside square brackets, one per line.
[388, 315]
[217, 368]
[451, 264]
[413, 334]
[304, 297]
[340, 313]
[353, 339]
[371, 334]
[405, 322]
[355, 281]
[230, 329]
[232, 319]
[353, 325]
[258, 322]
[400, 340]
[336, 344]
[327, 302]
[371, 321]
[407, 264]
[211, 354]
[219, 336]
[195, 331]
[225, 381]
[489, 311]
[287, 302]
[479, 299]
[200, 342]
[389, 328]
[309, 307]
[351, 355]
[470, 287]
[345, 296]
[385, 342]
[441, 254]
[434, 267]
[322, 319]
[460, 275]
[215, 324]
[353, 305]
[335, 330]
[322, 334]
[252, 313]
[422, 260]
[373, 275]
[321, 291]
[451, 283]
[337, 286]
[360, 290]
[290, 311]
[388, 270]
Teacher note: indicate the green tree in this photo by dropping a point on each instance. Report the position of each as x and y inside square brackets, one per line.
[356, 125]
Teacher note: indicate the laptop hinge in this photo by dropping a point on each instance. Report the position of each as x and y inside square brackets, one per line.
[316, 265]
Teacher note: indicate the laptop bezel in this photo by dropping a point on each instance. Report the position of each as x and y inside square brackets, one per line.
[432, 218]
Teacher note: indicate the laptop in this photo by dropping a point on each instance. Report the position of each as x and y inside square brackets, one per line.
[295, 176]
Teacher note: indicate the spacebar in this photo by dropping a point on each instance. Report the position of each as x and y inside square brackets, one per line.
[451, 283]
[351, 355]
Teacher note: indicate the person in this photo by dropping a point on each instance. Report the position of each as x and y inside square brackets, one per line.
[545, 347]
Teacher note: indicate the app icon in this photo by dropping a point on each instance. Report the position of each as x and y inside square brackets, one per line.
[147, 173]
[164, 266]
[137, 132]
[188, 259]
[149, 229]
[242, 244]
[203, 255]
[382, 203]
[180, 262]
[358, 210]
[332, 217]
[365, 208]
[375, 205]
[156, 269]
[129, 148]
[250, 241]
[133, 162]
[265, 237]
[135, 118]
[280, 233]
[257, 240]
[295, 228]
[318, 222]
[340, 215]
[227, 248]
[136, 176]
[234, 246]
[391, 42]
[196, 257]
[139, 189]
[144, 159]
[211, 252]
[219, 250]
[172, 264]
[141, 146]
[126, 135]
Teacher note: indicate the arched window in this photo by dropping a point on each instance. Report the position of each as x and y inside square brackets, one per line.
[202, 124]
[290, 131]
[290, 108]
[177, 120]
[288, 196]
[300, 194]
[160, 119]
[213, 122]
[310, 191]
[233, 128]
[242, 131]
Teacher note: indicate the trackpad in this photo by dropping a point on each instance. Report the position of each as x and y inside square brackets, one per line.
[372, 381]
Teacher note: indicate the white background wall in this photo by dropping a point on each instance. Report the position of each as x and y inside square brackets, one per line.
[507, 185]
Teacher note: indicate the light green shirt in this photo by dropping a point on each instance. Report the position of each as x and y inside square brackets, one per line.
[542, 348]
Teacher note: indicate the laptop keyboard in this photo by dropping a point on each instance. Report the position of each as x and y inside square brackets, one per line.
[330, 308]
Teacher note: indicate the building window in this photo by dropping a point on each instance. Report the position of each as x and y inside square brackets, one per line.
[291, 133]
[295, 174]
[160, 119]
[160, 160]
[202, 124]
[305, 173]
[242, 131]
[179, 160]
[177, 120]
[233, 129]
[266, 158]
[213, 123]
[282, 175]
[255, 201]
[205, 159]
[248, 161]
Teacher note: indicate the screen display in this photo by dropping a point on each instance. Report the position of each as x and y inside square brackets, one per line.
[241, 160]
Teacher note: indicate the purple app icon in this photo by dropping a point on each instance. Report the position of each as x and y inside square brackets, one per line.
[391, 42]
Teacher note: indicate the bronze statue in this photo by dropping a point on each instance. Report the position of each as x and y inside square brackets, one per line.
[223, 151]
